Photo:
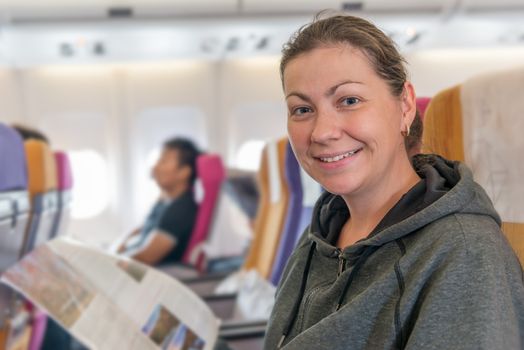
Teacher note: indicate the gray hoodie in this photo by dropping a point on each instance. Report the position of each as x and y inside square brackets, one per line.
[436, 273]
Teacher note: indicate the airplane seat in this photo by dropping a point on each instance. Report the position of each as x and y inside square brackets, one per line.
[269, 220]
[42, 189]
[14, 197]
[269, 226]
[210, 174]
[14, 213]
[229, 236]
[414, 145]
[422, 105]
[293, 215]
[479, 122]
[262, 181]
[42, 175]
[64, 187]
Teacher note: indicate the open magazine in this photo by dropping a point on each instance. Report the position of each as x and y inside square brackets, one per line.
[112, 302]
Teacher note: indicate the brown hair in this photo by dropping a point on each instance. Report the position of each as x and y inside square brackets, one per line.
[382, 52]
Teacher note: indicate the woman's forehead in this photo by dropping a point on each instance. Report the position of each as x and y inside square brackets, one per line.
[328, 64]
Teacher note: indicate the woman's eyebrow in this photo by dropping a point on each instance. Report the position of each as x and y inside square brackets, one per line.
[328, 93]
[299, 95]
[334, 88]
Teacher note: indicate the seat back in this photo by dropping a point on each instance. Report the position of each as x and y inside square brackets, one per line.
[262, 210]
[42, 190]
[210, 174]
[64, 194]
[312, 191]
[415, 146]
[294, 211]
[231, 231]
[269, 224]
[14, 213]
[480, 123]
[14, 198]
[422, 105]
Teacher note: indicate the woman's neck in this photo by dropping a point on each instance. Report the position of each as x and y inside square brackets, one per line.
[368, 210]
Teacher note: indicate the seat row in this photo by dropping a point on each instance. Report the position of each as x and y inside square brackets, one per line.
[35, 198]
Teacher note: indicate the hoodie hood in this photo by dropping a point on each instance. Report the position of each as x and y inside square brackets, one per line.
[447, 187]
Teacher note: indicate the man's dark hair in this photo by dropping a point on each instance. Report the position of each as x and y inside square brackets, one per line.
[188, 153]
[28, 133]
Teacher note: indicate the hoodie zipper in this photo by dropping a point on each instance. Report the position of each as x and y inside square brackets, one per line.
[341, 262]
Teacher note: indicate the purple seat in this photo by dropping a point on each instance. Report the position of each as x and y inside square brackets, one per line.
[14, 198]
[304, 192]
[14, 213]
[12, 157]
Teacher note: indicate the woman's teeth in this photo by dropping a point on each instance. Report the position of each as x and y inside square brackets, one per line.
[339, 157]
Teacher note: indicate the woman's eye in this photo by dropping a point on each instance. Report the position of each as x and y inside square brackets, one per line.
[301, 110]
[350, 101]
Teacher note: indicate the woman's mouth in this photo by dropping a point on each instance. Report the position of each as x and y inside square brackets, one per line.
[338, 157]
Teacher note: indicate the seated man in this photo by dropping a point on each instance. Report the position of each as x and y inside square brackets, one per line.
[166, 232]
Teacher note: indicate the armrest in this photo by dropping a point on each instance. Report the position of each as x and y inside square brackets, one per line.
[242, 333]
[215, 276]
[238, 324]
[179, 271]
[219, 297]
[223, 306]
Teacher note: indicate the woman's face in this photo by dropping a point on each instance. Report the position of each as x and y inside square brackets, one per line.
[343, 122]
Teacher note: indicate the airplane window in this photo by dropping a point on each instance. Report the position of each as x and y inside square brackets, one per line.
[91, 185]
[248, 155]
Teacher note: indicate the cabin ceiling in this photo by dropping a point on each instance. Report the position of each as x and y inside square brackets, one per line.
[35, 32]
[20, 10]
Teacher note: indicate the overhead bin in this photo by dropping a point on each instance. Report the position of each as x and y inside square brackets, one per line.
[313, 6]
[89, 9]
[287, 6]
[404, 5]
[488, 5]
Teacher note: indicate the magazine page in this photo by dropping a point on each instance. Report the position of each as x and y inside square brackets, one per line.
[111, 302]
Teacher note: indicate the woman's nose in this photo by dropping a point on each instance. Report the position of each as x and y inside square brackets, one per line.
[326, 127]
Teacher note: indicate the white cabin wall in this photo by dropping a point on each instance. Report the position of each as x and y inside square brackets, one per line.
[252, 103]
[75, 107]
[434, 70]
[11, 106]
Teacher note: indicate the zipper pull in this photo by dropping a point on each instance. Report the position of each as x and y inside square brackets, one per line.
[341, 263]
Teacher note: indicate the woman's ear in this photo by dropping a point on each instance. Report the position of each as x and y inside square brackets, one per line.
[408, 104]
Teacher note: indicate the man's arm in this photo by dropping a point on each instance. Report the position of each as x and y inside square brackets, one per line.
[128, 241]
[157, 246]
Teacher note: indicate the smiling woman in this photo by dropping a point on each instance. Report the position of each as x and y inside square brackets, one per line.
[399, 252]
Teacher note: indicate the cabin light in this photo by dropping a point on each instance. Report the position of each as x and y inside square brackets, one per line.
[99, 48]
[410, 31]
[352, 6]
[208, 45]
[262, 43]
[66, 50]
[414, 38]
[232, 44]
[411, 36]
